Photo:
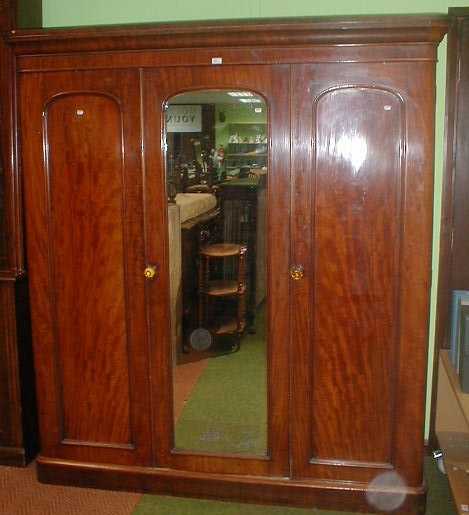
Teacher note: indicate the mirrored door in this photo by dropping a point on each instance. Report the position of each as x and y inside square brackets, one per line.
[220, 331]
[216, 181]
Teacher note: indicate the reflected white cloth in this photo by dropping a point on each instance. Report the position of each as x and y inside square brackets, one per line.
[194, 204]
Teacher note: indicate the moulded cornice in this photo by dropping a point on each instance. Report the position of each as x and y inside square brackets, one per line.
[283, 32]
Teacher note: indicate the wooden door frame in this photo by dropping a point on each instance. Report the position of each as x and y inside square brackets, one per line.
[158, 85]
[454, 249]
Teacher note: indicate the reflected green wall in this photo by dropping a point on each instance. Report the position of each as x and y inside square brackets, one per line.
[233, 114]
[58, 13]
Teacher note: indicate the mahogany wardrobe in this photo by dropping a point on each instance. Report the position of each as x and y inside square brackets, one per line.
[328, 410]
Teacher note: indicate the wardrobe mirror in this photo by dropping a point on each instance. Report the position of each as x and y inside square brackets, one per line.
[216, 173]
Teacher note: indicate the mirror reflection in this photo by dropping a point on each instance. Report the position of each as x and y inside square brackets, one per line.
[216, 173]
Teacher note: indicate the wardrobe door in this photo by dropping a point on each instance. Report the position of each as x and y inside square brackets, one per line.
[361, 228]
[83, 199]
[219, 408]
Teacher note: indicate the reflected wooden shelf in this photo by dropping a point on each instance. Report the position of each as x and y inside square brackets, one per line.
[228, 325]
[221, 250]
[224, 288]
[211, 289]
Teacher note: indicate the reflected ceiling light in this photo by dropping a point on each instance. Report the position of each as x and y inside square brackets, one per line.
[251, 100]
[352, 148]
[239, 94]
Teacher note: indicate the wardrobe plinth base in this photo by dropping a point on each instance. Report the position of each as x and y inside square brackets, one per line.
[320, 494]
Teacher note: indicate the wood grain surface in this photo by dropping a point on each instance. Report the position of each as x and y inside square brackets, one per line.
[85, 224]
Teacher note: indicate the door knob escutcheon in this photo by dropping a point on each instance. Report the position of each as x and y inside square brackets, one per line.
[297, 272]
[150, 272]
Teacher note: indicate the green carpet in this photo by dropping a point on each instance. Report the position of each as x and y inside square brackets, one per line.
[438, 502]
[227, 411]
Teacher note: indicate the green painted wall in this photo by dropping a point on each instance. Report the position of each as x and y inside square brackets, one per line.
[57, 13]
[91, 12]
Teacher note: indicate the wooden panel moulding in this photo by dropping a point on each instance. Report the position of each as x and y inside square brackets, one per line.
[358, 220]
[89, 125]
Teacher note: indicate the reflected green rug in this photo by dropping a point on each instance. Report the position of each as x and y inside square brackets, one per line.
[227, 410]
[438, 502]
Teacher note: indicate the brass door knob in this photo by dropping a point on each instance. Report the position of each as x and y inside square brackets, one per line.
[150, 272]
[297, 272]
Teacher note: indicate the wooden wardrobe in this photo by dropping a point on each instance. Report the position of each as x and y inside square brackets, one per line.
[348, 236]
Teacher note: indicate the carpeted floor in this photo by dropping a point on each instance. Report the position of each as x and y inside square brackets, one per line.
[22, 494]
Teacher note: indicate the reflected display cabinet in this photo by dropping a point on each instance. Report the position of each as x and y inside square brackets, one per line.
[246, 145]
[322, 405]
